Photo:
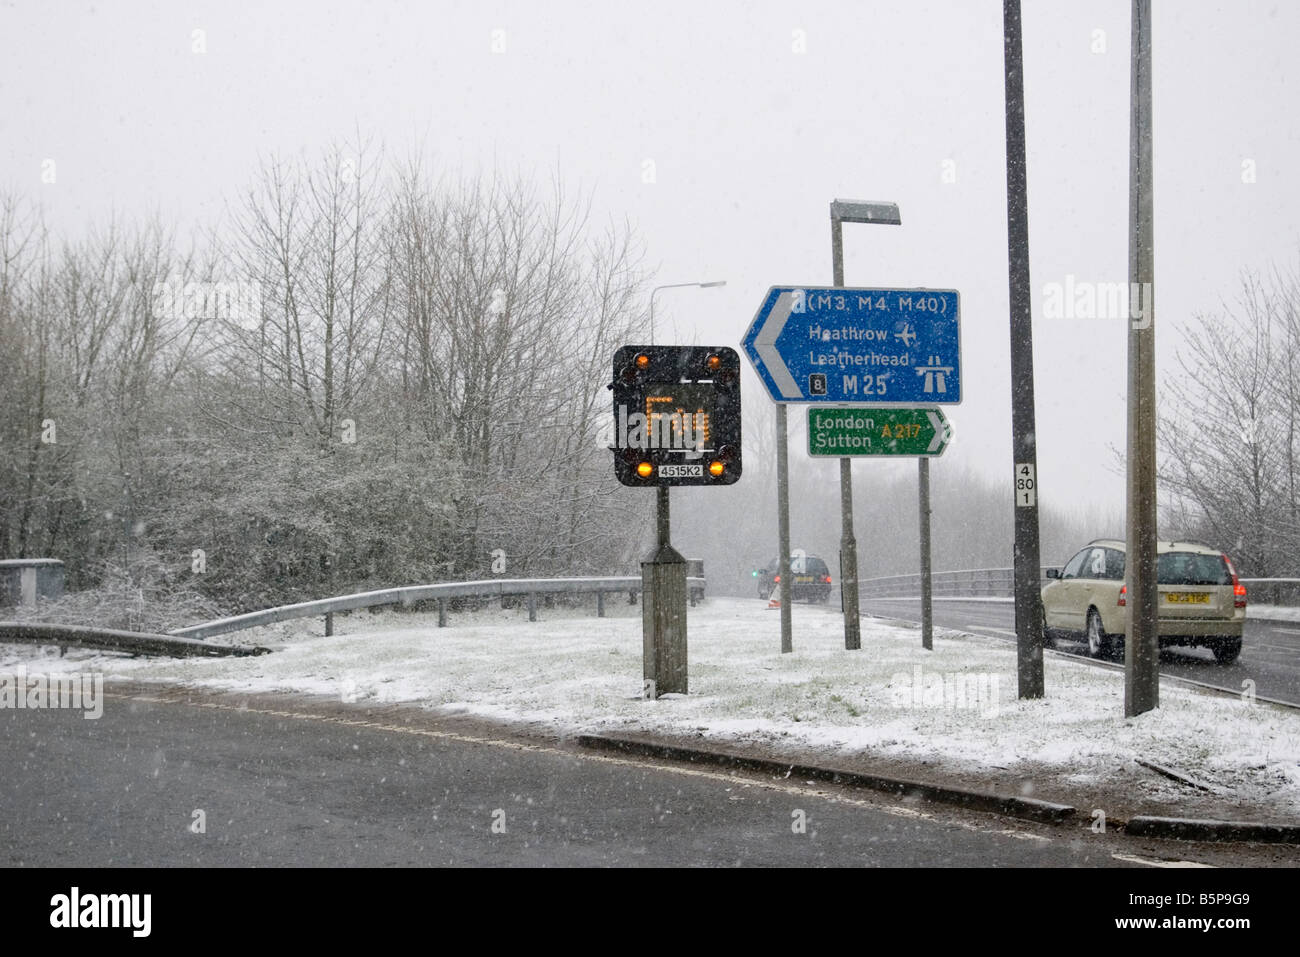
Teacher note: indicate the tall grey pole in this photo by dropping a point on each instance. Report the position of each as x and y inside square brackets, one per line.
[662, 519]
[783, 525]
[848, 542]
[851, 211]
[1029, 617]
[923, 495]
[1142, 652]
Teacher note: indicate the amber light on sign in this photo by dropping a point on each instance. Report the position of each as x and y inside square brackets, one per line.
[716, 468]
[684, 428]
[645, 470]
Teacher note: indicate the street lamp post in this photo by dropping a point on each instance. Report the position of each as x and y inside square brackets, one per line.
[676, 285]
[850, 211]
[662, 521]
[663, 580]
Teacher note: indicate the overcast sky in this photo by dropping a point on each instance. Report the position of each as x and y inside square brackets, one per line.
[722, 131]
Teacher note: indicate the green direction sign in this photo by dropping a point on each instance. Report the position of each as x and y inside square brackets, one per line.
[836, 432]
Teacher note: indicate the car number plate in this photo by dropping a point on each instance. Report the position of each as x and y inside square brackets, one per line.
[1189, 597]
[803, 579]
[681, 471]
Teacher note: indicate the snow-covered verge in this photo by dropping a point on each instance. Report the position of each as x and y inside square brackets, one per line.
[572, 672]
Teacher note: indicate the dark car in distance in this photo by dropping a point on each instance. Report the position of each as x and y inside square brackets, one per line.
[810, 579]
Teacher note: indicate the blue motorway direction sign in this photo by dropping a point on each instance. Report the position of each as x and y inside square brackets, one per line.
[871, 346]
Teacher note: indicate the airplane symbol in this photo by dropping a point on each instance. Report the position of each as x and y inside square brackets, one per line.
[907, 335]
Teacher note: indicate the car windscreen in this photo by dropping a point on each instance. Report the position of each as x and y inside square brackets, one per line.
[1190, 568]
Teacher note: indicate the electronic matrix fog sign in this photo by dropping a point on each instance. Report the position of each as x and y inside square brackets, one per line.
[676, 415]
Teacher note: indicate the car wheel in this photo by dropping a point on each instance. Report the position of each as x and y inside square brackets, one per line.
[1099, 643]
[1048, 640]
[1226, 651]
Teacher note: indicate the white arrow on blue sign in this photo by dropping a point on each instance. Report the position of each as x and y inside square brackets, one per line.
[869, 346]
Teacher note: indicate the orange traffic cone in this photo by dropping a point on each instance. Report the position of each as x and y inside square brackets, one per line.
[773, 603]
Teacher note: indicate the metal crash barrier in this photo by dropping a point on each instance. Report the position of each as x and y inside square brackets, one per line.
[531, 588]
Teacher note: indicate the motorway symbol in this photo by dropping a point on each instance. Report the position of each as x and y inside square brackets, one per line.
[860, 430]
[875, 346]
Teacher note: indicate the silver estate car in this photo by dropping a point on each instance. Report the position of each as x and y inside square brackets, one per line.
[1202, 602]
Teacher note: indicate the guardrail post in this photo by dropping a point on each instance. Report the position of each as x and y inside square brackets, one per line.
[329, 623]
[442, 613]
[532, 606]
[600, 604]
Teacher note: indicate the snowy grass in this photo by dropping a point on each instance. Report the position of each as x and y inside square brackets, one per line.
[572, 673]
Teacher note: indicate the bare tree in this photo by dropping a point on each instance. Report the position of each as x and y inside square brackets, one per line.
[509, 313]
[1228, 424]
[420, 381]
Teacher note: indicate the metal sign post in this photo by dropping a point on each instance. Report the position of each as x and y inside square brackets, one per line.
[783, 528]
[676, 422]
[663, 612]
[923, 496]
[888, 432]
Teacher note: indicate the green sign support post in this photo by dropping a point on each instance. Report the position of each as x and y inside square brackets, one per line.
[838, 431]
